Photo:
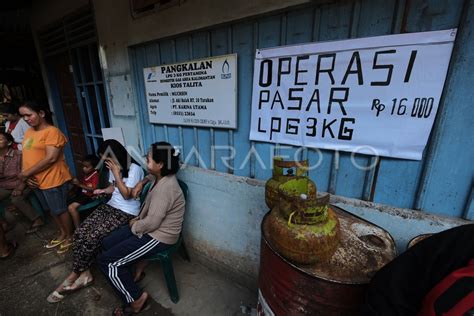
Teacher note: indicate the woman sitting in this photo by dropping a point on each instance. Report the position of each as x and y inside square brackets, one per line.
[120, 209]
[156, 228]
[10, 186]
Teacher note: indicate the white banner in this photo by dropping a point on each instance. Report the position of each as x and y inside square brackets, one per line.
[376, 95]
[199, 92]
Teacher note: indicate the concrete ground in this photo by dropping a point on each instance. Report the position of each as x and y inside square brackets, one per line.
[33, 272]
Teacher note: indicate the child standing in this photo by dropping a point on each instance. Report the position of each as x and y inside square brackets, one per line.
[86, 187]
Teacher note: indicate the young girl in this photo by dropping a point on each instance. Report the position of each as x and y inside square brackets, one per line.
[156, 228]
[125, 173]
[44, 168]
[85, 187]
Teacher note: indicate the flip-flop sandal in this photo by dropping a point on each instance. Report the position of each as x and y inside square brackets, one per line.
[55, 297]
[11, 250]
[78, 284]
[64, 247]
[118, 311]
[33, 229]
[127, 310]
[65, 283]
[54, 243]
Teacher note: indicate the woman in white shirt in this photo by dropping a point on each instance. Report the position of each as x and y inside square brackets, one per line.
[125, 173]
[15, 125]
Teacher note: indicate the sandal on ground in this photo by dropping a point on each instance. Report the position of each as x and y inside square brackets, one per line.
[54, 243]
[33, 229]
[64, 247]
[78, 284]
[127, 310]
[65, 284]
[55, 297]
[11, 250]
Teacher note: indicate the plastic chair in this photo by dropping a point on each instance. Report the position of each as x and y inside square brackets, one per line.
[144, 192]
[165, 256]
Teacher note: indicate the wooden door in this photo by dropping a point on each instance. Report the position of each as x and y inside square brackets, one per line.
[65, 82]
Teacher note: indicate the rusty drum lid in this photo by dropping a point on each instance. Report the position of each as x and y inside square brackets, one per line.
[364, 248]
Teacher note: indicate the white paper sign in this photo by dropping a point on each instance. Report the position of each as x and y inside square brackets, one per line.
[199, 92]
[113, 133]
[376, 95]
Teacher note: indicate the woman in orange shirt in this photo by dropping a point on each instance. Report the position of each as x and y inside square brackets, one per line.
[44, 168]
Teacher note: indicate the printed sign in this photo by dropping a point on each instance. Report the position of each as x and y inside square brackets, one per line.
[376, 96]
[198, 92]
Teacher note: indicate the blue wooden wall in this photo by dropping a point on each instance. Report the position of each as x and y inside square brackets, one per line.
[440, 183]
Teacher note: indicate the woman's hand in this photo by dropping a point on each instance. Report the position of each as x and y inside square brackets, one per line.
[132, 221]
[22, 176]
[32, 183]
[137, 190]
[98, 191]
[113, 167]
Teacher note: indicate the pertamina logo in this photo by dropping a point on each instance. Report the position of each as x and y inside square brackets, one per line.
[226, 74]
[151, 76]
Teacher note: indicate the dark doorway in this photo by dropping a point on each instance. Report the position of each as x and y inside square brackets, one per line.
[71, 54]
[20, 75]
[62, 69]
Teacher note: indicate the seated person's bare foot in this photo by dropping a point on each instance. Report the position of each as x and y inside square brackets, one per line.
[135, 307]
[85, 279]
[71, 278]
[139, 304]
